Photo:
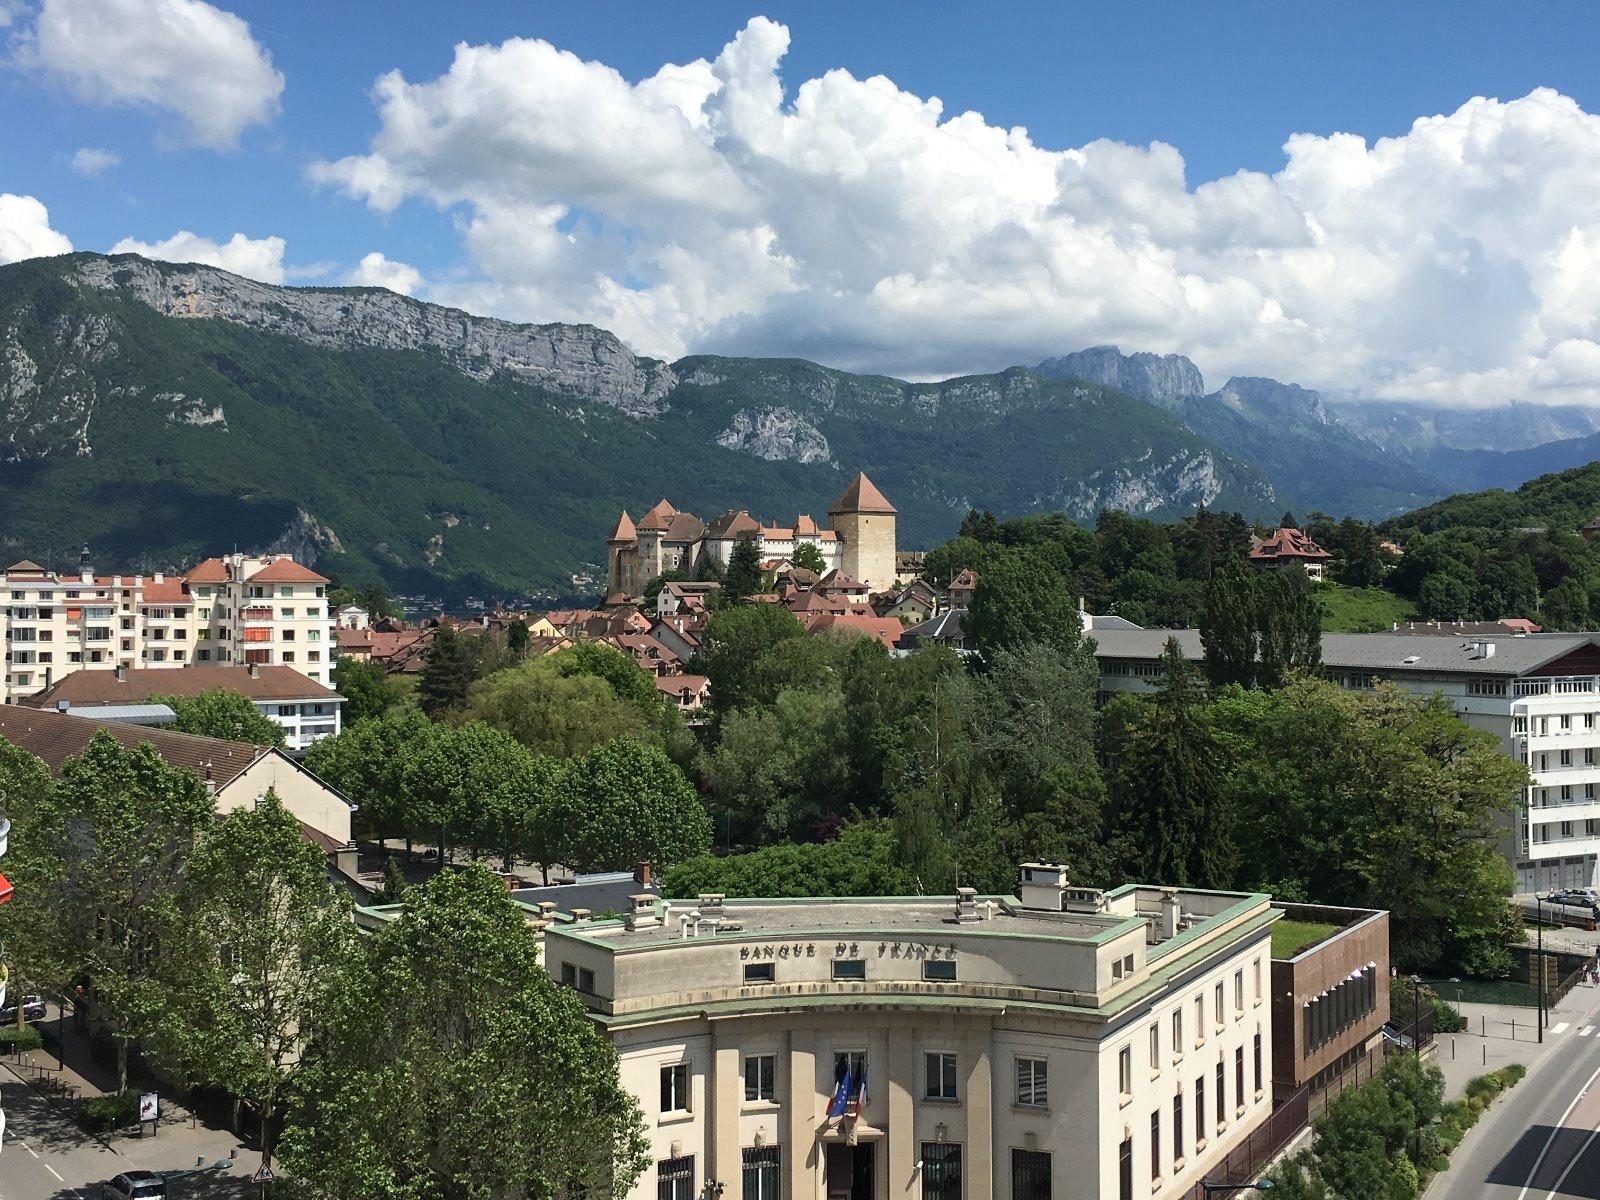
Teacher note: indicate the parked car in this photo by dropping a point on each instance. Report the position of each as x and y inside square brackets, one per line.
[1393, 1036]
[134, 1185]
[32, 1010]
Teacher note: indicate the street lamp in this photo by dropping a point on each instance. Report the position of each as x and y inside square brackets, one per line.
[1223, 1189]
[1416, 1015]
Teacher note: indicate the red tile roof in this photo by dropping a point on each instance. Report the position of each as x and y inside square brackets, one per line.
[623, 530]
[212, 570]
[168, 591]
[140, 683]
[1288, 543]
[286, 570]
[659, 517]
[861, 497]
[885, 629]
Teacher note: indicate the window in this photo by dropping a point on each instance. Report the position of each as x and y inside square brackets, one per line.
[940, 1076]
[286, 614]
[1238, 1076]
[569, 975]
[759, 1077]
[675, 1088]
[1155, 1049]
[1566, 755]
[849, 968]
[1238, 993]
[1030, 1175]
[1257, 970]
[850, 1073]
[1566, 723]
[1199, 1112]
[586, 980]
[1177, 1127]
[314, 611]
[287, 710]
[675, 1179]
[1125, 1169]
[1033, 1082]
[288, 656]
[1258, 1063]
[1155, 1144]
[1199, 1019]
[1177, 1033]
[286, 592]
[762, 1172]
[941, 1171]
[287, 635]
[942, 971]
[763, 972]
[1125, 1071]
[1222, 1098]
[1217, 1010]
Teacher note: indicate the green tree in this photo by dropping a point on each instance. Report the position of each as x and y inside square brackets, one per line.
[554, 713]
[367, 763]
[394, 1098]
[809, 557]
[624, 803]
[860, 861]
[1021, 599]
[98, 863]
[27, 931]
[448, 670]
[1229, 628]
[735, 640]
[1289, 624]
[517, 638]
[219, 713]
[743, 577]
[1168, 772]
[366, 690]
[467, 783]
[261, 894]
[1566, 606]
[1446, 596]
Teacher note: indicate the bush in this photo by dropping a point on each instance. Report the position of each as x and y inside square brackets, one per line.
[18, 1040]
[100, 1114]
[1513, 1074]
[1447, 1017]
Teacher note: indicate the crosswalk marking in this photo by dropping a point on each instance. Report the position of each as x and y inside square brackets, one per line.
[1561, 1028]
[1586, 1031]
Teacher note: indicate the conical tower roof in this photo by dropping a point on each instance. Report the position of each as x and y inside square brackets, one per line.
[624, 532]
[861, 497]
[659, 517]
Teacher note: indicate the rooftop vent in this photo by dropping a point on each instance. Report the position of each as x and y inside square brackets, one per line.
[967, 906]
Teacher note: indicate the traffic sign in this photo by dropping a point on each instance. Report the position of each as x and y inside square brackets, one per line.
[263, 1174]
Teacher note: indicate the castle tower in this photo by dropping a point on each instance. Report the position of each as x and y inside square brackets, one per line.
[864, 520]
[622, 549]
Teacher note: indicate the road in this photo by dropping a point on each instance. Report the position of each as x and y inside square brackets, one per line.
[45, 1156]
[1540, 1140]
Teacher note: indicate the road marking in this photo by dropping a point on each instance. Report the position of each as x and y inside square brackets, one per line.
[1561, 1028]
[57, 1173]
[1586, 1031]
[1578, 1157]
[1549, 1141]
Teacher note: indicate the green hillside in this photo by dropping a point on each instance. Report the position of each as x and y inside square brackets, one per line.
[159, 439]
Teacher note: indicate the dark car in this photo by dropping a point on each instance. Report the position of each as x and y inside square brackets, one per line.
[32, 1010]
[142, 1185]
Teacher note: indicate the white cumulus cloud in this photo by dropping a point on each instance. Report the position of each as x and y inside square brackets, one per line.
[257, 258]
[91, 160]
[710, 207]
[374, 270]
[182, 56]
[25, 230]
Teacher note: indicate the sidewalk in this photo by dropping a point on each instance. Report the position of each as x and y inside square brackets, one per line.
[1500, 1034]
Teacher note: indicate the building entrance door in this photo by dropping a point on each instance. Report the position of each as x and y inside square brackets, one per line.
[851, 1171]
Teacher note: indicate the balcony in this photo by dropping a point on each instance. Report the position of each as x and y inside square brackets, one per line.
[1557, 685]
[256, 613]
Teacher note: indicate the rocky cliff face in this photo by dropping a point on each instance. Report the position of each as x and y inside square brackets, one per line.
[48, 411]
[1163, 379]
[775, 434]
[1273, 399]
[1185, 479]
[575, 360]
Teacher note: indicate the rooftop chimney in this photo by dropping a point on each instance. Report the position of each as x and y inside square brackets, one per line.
[967, 906]
[63, 705]
[711, 903]
[643, 915]
[255, 670]
[1042, 886]
[1169, 913]
[160, 577]
[580, 914]
[641, 874]
[547, 908]
[210, 780]
[122, 673]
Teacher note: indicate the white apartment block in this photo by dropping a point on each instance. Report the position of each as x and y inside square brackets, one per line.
[235, 610]
[1538, 693]
[1062, 1042]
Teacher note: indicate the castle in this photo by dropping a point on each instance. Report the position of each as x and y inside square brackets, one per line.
[858, 541]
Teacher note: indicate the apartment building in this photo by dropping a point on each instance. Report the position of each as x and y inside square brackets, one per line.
[1060, 1042]
[238, 609]
[1538, 693]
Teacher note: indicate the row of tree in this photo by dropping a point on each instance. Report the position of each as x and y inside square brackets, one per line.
[218, 945]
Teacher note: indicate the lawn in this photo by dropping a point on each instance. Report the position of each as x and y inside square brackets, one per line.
[1291, 937]
[1361, 610]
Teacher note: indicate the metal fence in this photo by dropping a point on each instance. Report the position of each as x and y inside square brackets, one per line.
[1247, 1160]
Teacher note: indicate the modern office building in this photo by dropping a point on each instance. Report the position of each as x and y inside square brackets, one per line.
[1538, 693]
[1062, 1042]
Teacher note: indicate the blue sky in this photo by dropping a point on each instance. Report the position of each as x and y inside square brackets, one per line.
[1224, 83]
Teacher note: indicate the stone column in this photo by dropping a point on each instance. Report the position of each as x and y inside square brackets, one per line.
[978, 1104]
[901, 1134]
[802, 1153]
[724, 1091]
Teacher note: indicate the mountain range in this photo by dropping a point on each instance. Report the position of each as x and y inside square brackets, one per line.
[160, 412]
